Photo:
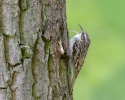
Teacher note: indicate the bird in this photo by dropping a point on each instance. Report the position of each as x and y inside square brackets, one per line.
[78, 48]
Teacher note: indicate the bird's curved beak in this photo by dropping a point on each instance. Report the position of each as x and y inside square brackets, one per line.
[81, 28]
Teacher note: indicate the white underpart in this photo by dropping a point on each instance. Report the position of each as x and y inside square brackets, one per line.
[61, 47]
[77, 36]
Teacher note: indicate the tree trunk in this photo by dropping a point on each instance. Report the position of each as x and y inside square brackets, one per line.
[33, 50]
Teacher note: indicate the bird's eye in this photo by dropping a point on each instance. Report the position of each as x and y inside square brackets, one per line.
[82, 37]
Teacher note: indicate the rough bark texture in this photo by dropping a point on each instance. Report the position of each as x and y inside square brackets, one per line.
[33, 50]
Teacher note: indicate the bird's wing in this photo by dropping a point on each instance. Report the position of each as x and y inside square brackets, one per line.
[78, 56]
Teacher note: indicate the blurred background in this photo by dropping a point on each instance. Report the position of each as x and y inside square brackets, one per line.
[103, 74]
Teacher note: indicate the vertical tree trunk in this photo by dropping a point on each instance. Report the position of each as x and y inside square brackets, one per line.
[33, 50]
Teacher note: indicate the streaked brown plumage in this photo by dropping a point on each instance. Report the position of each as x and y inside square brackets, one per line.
[78, 48]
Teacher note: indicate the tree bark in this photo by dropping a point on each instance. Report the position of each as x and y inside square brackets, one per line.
[33, 50]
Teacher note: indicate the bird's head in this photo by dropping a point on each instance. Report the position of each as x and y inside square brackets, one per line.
[84, 35]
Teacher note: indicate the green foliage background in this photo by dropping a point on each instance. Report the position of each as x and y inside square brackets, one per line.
[103, 74]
